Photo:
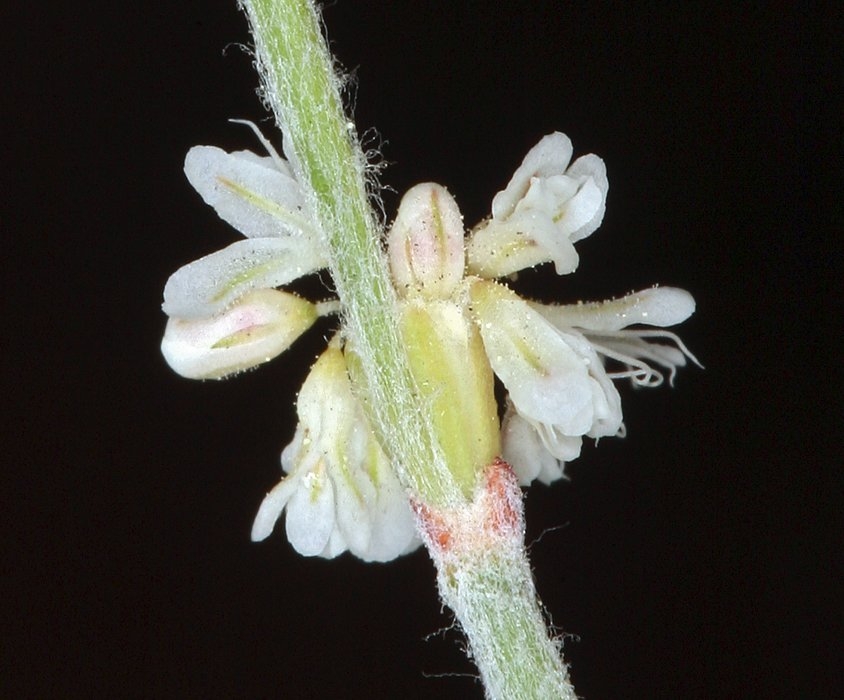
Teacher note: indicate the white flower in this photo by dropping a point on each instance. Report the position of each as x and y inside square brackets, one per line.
[225, 314]
[546, 208]
[259, 326]
[555, 380]
[556, 362]
[340, 492]
[551, 360]
[532, 454]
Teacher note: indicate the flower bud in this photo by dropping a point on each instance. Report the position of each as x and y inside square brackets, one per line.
[425, 243]
[259, 326]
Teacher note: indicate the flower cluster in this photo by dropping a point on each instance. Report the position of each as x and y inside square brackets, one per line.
[557, 362]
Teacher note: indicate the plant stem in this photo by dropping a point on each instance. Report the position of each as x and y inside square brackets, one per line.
[484, 577]
[304, 94]
[487, 582]
[500, 615]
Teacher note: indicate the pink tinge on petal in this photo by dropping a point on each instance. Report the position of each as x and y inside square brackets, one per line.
[262, 325]
[425, 243]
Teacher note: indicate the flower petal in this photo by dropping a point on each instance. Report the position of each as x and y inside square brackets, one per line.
[249, 192]
[393, 526]
[586, 210]
[547, 380]
[544, 210]
[528, 238]
[500, 248]
[553, 205]
[207, 286]
[354, 492]
[524, 449]
[260, 326]
[373, 512]
[311, 513]
[272, 505]
[378, 525]
[550, 156]
[606, 405]
[658, 306]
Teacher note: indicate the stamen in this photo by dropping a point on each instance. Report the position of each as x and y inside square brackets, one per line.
[640, 373]
[629, 347]
[665, 334]
[277, 159]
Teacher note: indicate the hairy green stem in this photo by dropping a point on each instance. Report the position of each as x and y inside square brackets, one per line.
[304, 93]
[484, 577]
[492, 596]
[496, 600]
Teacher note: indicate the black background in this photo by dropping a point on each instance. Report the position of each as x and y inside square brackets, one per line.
[696, 558]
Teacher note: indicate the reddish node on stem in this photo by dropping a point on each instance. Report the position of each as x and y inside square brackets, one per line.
[433, 525]
[504, 497]
[493, 514]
